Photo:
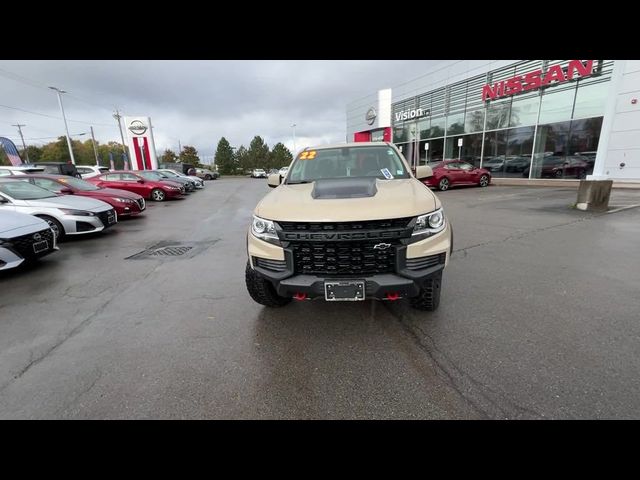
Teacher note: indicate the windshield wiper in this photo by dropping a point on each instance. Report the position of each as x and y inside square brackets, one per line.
[299, 182]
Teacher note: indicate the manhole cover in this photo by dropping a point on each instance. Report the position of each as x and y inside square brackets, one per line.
[169, 251]
[172, 249]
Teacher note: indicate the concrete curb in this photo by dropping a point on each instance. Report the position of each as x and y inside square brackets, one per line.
[525, 182]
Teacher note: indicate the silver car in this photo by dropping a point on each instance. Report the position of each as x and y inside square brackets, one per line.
[199, 183]
[7, 171]
[23, 238]
[67, 214]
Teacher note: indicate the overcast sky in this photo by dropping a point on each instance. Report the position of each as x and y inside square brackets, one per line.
[196, 102]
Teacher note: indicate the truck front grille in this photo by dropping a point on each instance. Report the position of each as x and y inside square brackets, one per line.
[342, 258]
[272, 265]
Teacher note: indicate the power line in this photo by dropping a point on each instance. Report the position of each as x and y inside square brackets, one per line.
[57, 118]
[33, 83]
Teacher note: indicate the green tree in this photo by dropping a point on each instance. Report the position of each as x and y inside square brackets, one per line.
[35, 154]
[169, 156]
[241, 159]
[224, 158]
[189, 155]
[258, 153]
[280, 156]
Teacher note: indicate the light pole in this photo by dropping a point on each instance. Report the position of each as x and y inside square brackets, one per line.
[95, 150]
[294, 138]
[60, 92]
[117, 116]
[24, 146]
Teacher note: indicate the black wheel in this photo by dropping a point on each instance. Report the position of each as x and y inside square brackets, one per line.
[158, 195]
[582, 174]
[484, 180]
[443, 184]
[55, 225]
[429, 297]
[558, 173]
[207, 177]
[262, 291]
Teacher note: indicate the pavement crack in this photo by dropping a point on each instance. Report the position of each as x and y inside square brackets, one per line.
[524, 234]
[456, 377]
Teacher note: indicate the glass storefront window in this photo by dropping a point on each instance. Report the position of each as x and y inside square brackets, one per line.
[455, 123]
[436, 149]
[495, 151]
[550, 150]
[425, 126]
[399, 134]
[583, 141]
[437, 127]
[557, 106]
[498, 114]
[524, 111]
[474, 121]
[591, 100]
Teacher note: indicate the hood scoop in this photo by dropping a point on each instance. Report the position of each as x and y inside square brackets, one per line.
[344, 188]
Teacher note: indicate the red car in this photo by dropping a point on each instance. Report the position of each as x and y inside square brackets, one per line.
[151, 189]
[125, 203]
[456, 172]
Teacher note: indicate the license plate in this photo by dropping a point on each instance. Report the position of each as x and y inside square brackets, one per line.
[41, 246]
[111, 219]
[345, 291]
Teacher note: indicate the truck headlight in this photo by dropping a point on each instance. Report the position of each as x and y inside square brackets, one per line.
[430, 223]
[264, 230]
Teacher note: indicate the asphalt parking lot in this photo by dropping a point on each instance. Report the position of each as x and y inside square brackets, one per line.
[539, 318]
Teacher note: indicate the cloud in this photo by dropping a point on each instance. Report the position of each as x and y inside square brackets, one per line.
[196, 102]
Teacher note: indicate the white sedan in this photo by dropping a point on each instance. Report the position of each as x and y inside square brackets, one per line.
[23, 238]
[66, 215]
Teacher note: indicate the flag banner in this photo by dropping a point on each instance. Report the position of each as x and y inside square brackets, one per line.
[11, 151]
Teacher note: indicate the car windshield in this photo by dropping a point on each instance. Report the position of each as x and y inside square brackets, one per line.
[169, 174]
[78, 184]
[24, 191]
[347, 162]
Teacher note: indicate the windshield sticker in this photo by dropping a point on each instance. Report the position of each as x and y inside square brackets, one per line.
[398, 172]
[309, 155]
[387, 174]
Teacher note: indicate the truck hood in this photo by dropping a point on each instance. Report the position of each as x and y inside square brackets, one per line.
[392, 199]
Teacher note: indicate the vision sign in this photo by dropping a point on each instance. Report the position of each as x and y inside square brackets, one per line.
[534, 80]
[411, 114]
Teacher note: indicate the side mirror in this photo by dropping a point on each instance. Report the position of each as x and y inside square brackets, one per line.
[140, 180]
[274, 180]
[423, 171]
[3, 200]
[66, 191]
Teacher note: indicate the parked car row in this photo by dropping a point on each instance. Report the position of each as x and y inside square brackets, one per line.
[38, 210]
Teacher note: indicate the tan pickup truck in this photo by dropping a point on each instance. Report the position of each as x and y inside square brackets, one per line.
[349, 222]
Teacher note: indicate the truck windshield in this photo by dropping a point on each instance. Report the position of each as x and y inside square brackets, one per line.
[347, 162]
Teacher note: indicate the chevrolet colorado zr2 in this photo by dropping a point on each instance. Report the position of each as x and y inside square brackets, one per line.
[347, 223]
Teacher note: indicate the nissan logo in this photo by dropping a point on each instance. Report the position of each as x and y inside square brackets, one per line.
[37, 237]
[137, 127]
[371, 115]
[381, 246]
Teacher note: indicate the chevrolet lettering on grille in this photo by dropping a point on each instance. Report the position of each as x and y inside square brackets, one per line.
[341, 236]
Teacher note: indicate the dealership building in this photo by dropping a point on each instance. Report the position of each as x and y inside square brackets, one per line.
[525, 119]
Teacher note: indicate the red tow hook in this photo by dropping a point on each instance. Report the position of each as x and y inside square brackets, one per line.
[300, 296]
[393, 296]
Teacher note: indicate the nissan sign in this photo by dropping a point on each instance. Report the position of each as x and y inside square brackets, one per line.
[137, 127]
[371, 116]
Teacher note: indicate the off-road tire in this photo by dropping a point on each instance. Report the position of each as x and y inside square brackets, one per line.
[429, 297]
[262, 291]
[208, 177]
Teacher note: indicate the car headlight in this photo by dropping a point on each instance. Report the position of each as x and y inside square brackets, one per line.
[430, 223]
[264, 230]
[123, 200]
[78, 213]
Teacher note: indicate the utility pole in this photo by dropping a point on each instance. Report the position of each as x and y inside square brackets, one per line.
[117, 116]
[294, 139]
[60, 92]
[24, 146]
[179, 148]
[95, 151]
